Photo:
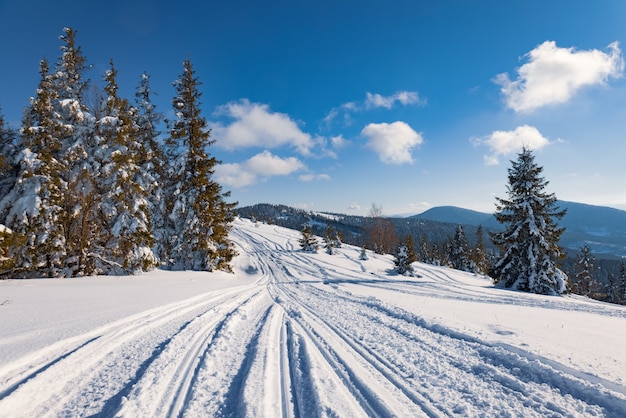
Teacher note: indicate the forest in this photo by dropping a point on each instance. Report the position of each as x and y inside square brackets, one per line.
[90, 186]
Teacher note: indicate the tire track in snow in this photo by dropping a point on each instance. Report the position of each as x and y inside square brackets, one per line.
[119, 349]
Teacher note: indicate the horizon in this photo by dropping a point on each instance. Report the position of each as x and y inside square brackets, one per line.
[335, 107]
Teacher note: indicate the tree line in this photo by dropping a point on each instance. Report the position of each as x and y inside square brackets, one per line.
[89, 185]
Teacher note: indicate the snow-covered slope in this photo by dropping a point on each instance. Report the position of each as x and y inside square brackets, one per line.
[299, 335]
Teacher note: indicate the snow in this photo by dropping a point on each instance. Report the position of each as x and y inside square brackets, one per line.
[299, 334]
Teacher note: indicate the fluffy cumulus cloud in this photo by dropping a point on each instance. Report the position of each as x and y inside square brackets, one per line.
[393, 142]
[255, 125]
[508, 142]
[553, 75]
[259, 167]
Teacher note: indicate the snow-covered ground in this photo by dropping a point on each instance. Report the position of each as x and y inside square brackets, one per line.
[292, 334]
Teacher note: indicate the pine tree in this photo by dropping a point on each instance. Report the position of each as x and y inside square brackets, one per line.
[584, 282]
[200, 217]
[81, 220]
[126, 236]
[405, 256]
[8, 159]
[529, 243]
[479, 254]
[33, 208]
[152, 161]
[622, 284]
[363, 255]
[330, 240]
[459, 254]
[612, 289]
[308, 241]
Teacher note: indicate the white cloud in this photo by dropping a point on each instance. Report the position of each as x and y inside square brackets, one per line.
[392, 142]
[259, 167]
[403, 97]
[553, 75]
[373, 101]
[508, 142]
[354, 206]
[312, 177]
[256, 126]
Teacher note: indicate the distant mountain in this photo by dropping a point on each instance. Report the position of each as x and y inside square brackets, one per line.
[456, 215]
[600, 227]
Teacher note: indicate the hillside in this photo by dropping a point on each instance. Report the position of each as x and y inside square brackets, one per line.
[602, 228]
[296, 335]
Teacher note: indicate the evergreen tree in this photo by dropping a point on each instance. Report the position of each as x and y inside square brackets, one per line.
[81, 218]
[404, 257]
[33, 208]
[8, 159]
[612, 289]
[308, 241]
[479, 254]
[622, 284]
[363, 255]
[200, 217]
[152, 161]
[459, 254]
[584, 282]
[330, 240]
[424, 249]
[126, 236]
[529, 243]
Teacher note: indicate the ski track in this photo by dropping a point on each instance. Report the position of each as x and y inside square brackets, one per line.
[294, 344]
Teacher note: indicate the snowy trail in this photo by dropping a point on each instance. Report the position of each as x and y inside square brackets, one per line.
[314, 335]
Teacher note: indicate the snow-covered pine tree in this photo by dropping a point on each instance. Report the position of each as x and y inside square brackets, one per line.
[308, 241]
[152, 161]
[126, 238]
[33, 209]
[200, 216]
[622, 284]
[82, 220]
[363, 255]
[459, 253]
[405, 256]
[330, 240]
[584, 282]
[612, 289]
[529, 243]
[479, 254]
[8, 159]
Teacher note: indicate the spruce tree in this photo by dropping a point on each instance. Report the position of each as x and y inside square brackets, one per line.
[528, 245]
[33, 210]
[612, 289]
[330, 240]
[8, 159]
[152, 161]
[200, 216]
[126, 237]
[622, 284]
[459, 254]
[479, 254]
[405, 256]
[308, 241]
[584, 282]
[82, 219]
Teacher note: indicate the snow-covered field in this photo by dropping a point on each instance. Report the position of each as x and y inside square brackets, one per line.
[303, 335]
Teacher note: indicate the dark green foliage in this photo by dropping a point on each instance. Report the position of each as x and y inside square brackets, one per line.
[308, 241]
[199, 215]
[529, 243]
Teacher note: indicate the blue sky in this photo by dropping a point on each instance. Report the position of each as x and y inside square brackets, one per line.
[338, 105]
